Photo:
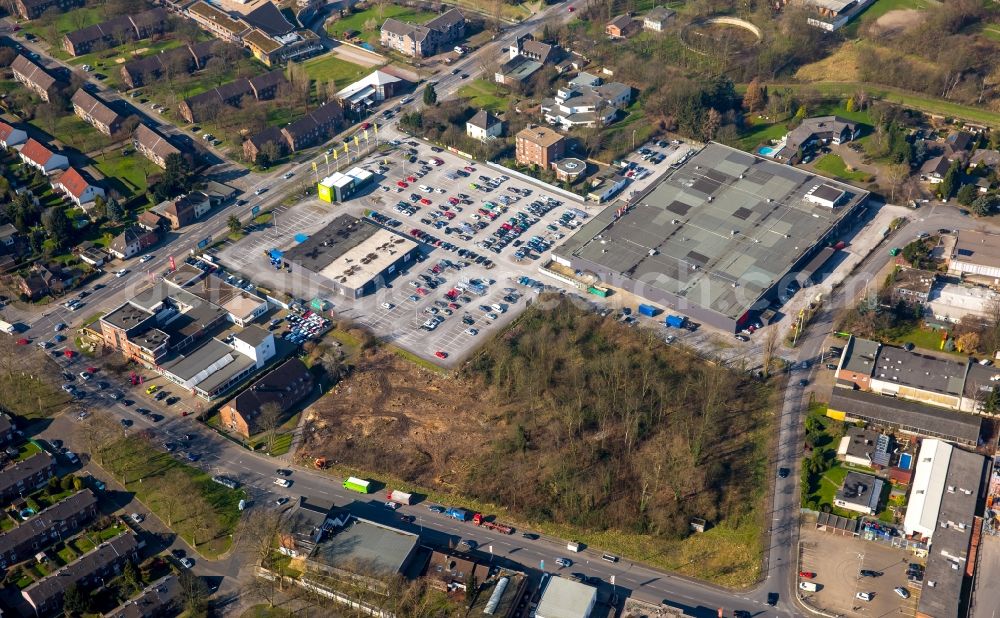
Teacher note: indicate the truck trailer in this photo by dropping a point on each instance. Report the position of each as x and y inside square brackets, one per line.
[459, 514]
[7, 327]
[355, 484]
[399, 496]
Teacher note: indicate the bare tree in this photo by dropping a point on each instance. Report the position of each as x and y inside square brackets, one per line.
[269, 419]
[770, 346]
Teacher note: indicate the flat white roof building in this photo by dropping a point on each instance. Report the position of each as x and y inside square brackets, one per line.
[928, 487]
[565, 598]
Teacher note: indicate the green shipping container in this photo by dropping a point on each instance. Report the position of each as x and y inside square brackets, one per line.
[598, 291]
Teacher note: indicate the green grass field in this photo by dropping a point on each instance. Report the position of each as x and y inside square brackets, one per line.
[881, 7]
[833, 165]
[358, 20]
[485, 94]
[759, 132]
[131, 170]
[71, 130]
[331, 68]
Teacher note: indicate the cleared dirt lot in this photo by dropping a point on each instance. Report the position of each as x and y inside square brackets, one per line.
[837, 562]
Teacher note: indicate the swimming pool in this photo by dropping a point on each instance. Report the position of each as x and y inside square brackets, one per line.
[765, 151]
[904, 461]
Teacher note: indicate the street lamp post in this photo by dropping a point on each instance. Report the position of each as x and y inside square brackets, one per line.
[857, 580]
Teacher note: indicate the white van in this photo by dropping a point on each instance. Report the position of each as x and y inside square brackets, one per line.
[808, 586]
[573, 546]
[497, 307]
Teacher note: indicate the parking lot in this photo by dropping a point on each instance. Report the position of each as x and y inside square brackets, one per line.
[480, 231]
[837, 562]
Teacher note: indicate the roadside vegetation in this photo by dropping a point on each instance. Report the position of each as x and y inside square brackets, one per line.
[26, 388]
[202, 512]
[612, 439]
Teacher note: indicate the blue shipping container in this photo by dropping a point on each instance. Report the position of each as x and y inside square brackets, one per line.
[647, 310]
[675, 321]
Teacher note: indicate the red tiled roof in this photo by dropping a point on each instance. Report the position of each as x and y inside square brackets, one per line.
[5, 131]
[73, 182]
[36, 151]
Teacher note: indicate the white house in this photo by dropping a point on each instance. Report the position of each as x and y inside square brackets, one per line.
[484, 126]
[586, 101]
[77, 188]
[11, 136]
[255, 343]
[35, 154]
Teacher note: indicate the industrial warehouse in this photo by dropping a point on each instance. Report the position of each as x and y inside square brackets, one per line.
[717, 239]
[356, 255]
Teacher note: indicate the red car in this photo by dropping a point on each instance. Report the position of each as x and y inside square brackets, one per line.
[365, 125]
[807, 574]
[401, 184]
[411, 179]
[572, 8]
[421, 291]
[425, 201]
[469, 168]
[441, 354]
[23, 342]
[449, 215]
[453, 200]
[453, 306]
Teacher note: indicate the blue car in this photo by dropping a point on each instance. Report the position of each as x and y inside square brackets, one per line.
[192, 457]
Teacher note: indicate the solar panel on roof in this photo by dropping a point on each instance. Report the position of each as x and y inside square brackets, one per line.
[679, 208]
[742, 213]
[705, 185]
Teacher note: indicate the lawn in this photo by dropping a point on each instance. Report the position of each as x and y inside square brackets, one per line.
[881, 7]
[357, 21]
[71, 130]
[486, 94]
[833, 165]
[923, 338]
[132, 170]
[759, 131]
[331, 68]
[52, 29]
[25, 394]
[201, 511]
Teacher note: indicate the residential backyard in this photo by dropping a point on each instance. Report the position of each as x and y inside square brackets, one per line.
[131, 171]
[833, 165]
[486, 94]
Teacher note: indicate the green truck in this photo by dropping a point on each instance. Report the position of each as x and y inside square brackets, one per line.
[358, 485]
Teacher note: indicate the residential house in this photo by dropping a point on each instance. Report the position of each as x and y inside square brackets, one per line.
[218, 22]
[26, 476]
[159, 599]
[657, 19]
[59, 521]
[90, 570]
[33, 9]
[38, 156]
[183, 210]
[429, 39]
[95, 256]
[272, 135]
[136, 73]
[362, 94]
[448, 571]
[539, 146]
[586, 101]
[152, 145]
[210, 103]
[933, 170]
[620, 27]
[34, 77]
[8, 235]
[860, 492]
[484, 126]
[526, 57]
[985, 157]
[11, 136]
[284, 386]
[96, 112]
[43, 280]
[309, 524]
[866, 448]
[77, 188]
[151, 220]
[958, 144]
[315, 127]
[134, 240]
[115, 31]
[817, 130]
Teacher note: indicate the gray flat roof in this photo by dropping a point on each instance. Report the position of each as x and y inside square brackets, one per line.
[861, 489]
[951, 544]
[187, 366]
[126, 316]
[909, 415]
[921, 371]
[253, 335]
[382, 548]
[859, 355]
[719, 231]
[977, 248]
[565, 598]
[337, 238]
